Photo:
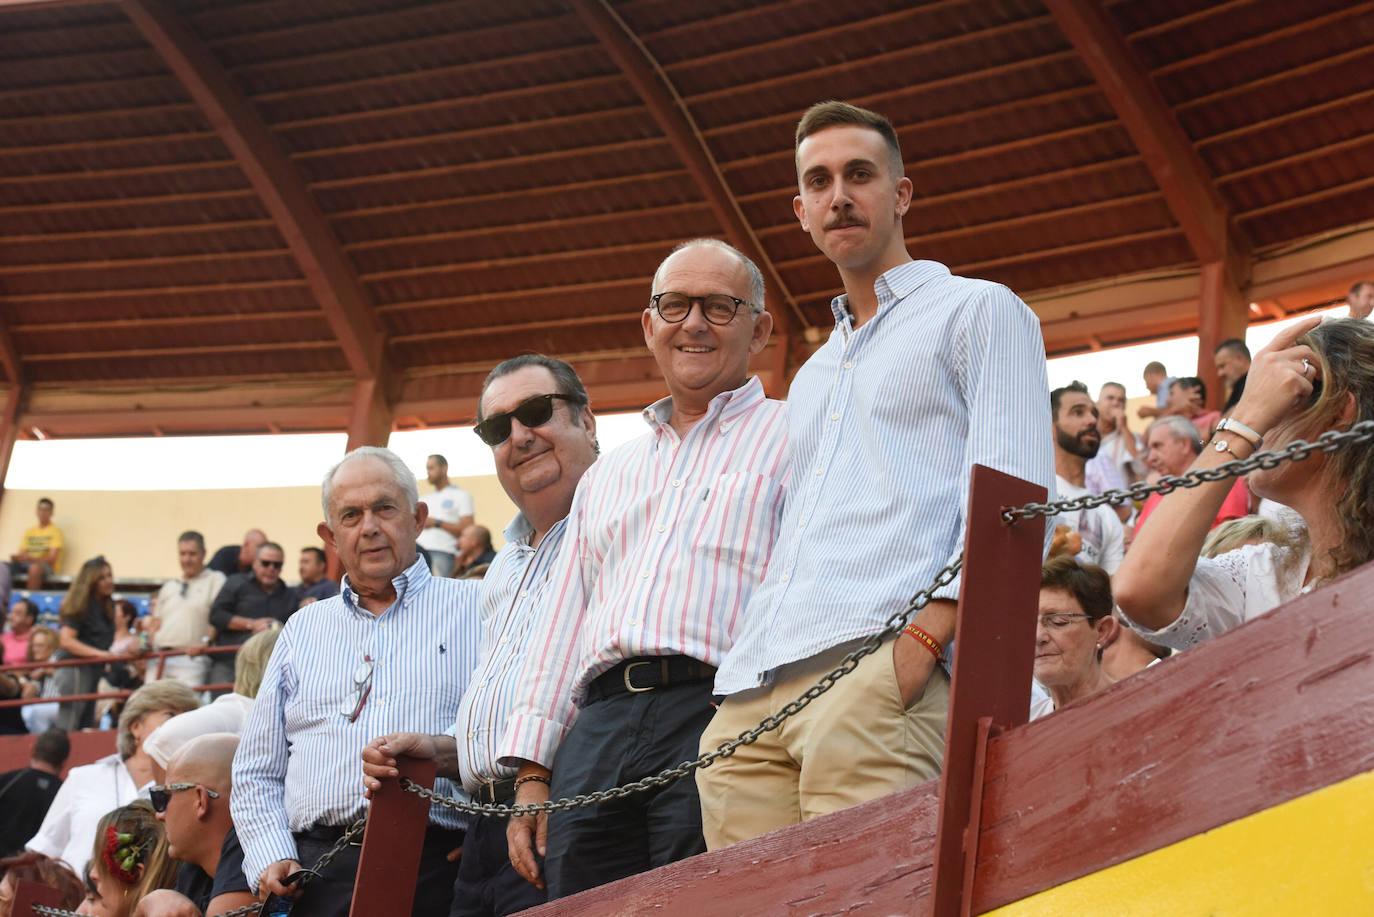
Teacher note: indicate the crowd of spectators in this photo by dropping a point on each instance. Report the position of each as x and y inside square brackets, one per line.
[660, 599]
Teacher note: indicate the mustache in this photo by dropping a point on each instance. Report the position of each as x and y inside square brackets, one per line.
[844, 218]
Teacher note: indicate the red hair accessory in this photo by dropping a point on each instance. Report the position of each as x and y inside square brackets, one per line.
[121, 855]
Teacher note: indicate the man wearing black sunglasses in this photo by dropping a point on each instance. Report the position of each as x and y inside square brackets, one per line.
[248, 604]
[666, 539]
[534, 413]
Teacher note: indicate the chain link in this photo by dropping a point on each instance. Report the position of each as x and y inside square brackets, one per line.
[1296, 451]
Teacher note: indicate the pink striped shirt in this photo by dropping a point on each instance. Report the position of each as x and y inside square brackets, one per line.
[666, 540]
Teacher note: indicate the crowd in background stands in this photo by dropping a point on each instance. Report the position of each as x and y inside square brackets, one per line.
[710, 560]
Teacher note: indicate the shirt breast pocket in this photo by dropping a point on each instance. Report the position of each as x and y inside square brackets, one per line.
[739, 518]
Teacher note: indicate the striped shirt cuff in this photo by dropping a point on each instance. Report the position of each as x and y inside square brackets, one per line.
[262, 852]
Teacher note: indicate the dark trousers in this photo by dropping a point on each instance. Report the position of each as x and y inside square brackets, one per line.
[614, 741]
[77, 679]
[488, 885]
[331, 893]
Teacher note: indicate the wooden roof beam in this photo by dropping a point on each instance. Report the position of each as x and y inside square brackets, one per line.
[670, 112]
[269, 170]
[1168, 153]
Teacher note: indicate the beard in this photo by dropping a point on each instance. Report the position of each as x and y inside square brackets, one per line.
[1083, 445]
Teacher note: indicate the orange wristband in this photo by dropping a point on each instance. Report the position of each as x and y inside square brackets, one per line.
[925, 640]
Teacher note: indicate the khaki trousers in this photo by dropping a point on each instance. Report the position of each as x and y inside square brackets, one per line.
[854, 743]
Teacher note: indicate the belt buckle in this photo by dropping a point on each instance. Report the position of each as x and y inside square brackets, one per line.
[626, 674]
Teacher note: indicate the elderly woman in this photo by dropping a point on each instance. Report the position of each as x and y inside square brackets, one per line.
[1074, 626]
[128, 861]
[1312, 378]
[89, 791]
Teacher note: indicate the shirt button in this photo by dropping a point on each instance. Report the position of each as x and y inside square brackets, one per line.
[785, 577]
[834, 416]
[503, 641]
[801, 523]
[472, 735]
[848, 364]
[725, 428]
[662, 528]
[525, 594]
[820, 471]
[645, 574]
[677, 483]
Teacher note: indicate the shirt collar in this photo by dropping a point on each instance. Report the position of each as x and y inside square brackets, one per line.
[412, 579]
[520, 531]
[723, 407]
[894, 285]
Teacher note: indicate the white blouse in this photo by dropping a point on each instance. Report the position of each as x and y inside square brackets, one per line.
[68, 831]
[1230, 589]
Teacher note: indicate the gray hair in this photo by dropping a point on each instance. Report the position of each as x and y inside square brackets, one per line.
[755, 275]
[1181, 428]
[404, 477]
[166, 694]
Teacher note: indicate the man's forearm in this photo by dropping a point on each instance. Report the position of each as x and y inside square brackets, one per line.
[446, 757]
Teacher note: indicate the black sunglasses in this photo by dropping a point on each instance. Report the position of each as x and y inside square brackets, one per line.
[159, 796]
[532, 412]
[276, 564]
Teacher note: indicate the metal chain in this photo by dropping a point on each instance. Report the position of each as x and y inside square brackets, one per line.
[1298, 450]
[307, 875]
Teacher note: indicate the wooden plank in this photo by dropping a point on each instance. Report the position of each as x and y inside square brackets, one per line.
[674, 118]
[1263, 714]
[994, 649]
[371, 417]
[27, 894]
[9, 430]
[392, 843]
[1223, 313]
[870, 859]
[275, 180]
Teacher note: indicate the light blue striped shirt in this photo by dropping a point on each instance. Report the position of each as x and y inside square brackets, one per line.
[298, 763]
[512, 593]
[884, 425]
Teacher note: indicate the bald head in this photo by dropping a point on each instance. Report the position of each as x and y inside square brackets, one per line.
[207, 760]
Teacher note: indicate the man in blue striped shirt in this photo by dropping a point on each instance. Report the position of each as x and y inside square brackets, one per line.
[924, 375]
[391, 652]
[535, 414]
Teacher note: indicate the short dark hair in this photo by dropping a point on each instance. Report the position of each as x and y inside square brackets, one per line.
[319, 554]
[1154, 366]
[483, 535]
[440, 459]
[1106, 385]
[30, 608]
[1057, 396]
[1360, 285]
[192, 535]
[270, 544]
[1089, 586]
[565, 379]
[52, 747]
[47, 500]
[1193, 382]
[1235, 345]
[839, 114]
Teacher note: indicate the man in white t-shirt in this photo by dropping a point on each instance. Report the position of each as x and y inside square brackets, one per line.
[181, 613]
[450, 511]
[1076, 439]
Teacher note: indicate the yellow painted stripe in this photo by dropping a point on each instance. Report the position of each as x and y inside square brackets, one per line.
[1313, 855]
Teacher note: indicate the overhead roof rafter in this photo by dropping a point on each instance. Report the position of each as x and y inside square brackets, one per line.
[308, 236]
[673, 118]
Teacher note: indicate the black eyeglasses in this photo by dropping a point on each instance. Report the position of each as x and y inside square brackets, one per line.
[352, 705]
[161, 795]
[532, 412]
[718, 308]
[1058, 621]
[274, 564]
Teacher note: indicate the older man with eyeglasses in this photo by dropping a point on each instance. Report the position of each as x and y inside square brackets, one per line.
[666, 539]
[392, 652]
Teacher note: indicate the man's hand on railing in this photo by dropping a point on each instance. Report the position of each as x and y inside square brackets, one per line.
[528, 834]
[379, 756]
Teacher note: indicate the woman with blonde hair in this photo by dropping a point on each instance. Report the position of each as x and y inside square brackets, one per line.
[87, 630]
[43, 643]
[225, 714]
[112, 781]
[1314, 377]
[128, 861]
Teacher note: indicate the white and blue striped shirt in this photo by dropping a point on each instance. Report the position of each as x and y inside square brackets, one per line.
[298, 763]
[667, 539]
[512, 593]
[885, 423]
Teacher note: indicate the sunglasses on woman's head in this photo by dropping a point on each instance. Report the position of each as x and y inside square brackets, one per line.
[532, 412]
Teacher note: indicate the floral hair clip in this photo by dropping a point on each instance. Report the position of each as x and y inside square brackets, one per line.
[121, 855]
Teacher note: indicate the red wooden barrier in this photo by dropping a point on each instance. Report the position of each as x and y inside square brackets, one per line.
[994, 645]
[392, 842]
[27, 894]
